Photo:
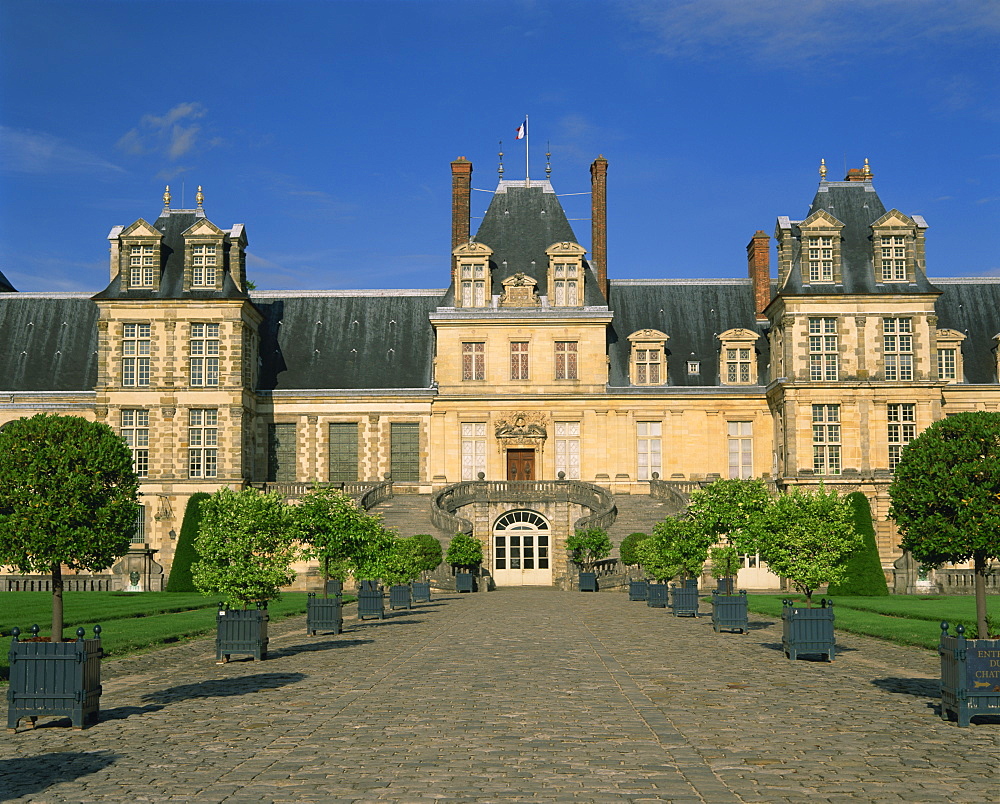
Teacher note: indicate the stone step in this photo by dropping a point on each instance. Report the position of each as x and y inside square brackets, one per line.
[409, 514]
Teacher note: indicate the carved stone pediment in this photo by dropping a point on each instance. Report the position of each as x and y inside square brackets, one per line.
[519, 291]
[648, 335]
[738, 334]
[521, 427]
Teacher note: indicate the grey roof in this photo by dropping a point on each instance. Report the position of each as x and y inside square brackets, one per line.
[972, 306]
[346, 341]
[693, 313]
[49, 342]
[857, 206]
[173, 223]
[520, 223]
[5, 285]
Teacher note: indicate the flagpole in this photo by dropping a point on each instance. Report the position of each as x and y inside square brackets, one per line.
[527, 180]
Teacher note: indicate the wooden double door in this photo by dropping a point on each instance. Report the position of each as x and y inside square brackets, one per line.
[521, 464]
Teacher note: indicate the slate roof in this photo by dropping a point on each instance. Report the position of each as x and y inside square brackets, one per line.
[173, 223]
[693, 313]
[5, 285]
[49, 342]
[346, 340]
[857, 206]
[972, 306]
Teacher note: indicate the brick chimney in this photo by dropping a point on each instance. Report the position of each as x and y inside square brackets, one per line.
[599, 221]
[759, 267]
[461, 199]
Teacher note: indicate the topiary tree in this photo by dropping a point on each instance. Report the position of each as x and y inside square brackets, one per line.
[863, 575]
[588, 546]
[245, 546]
[68, 497]
[180, 579]
[629, 548]
[465, 551]
[807, 538]
[657, 553]
[403, 562]
[430, 552]
[946, 496]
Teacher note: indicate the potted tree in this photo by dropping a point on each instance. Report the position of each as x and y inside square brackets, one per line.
[369, 559]
[586, 548]
[946, 503]
[658, 559]
[68, 498]
[729, 610]
[245, 545]
[402, 567]
[430, 556]
[465, 554]
[688, 545]
[628, 551]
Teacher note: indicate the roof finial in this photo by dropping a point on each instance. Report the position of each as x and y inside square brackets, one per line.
[500, 166]
[822, 170]
[199, 198]
[548, 163]
[166, 197]
[866, 171]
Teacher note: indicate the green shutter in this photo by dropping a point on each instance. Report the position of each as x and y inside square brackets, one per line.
[404, 448]
[281, 453]
[343, 451]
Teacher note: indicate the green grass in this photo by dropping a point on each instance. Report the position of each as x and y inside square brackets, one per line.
[903, 619]
[130, 622]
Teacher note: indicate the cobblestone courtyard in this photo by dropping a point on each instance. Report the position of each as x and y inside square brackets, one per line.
[517, 695]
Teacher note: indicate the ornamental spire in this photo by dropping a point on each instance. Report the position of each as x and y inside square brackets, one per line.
[822, 170]
[166, 197]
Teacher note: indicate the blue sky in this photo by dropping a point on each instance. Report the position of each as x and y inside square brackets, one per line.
[327, 128]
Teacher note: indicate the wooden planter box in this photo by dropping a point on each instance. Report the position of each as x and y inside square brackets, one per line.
[638, 590]
[729, 612]
[371, 601]
[656, 597]
[725, 586]
[970, 676]
[806, 630]
[241, 632]
[465, 582]
[588, 581]
[324, 614]
[57, 679]
[421, 591]
[684, 600]
[399, 597]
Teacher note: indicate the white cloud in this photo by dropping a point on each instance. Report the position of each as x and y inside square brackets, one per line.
[173, 134]
[24, 151]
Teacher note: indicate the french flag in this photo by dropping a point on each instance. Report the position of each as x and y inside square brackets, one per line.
[522, 131]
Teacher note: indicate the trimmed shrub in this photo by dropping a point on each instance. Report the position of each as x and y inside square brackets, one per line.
[864, 567]
[627, 549]
[185, 555]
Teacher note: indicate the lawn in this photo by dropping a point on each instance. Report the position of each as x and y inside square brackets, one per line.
[903, 619]
[129, 621]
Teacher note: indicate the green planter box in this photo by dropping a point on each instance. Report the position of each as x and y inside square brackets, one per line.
[808, 631]
[725, 586]
[371, 601]
[638, 590]
[399, 597]
[970, 676]
[55, 679]
[421, 591]
[729, 612]
[657, 595]
[241, 632]
[588, 582]
[684, 600]
[465, 582]
[324, 614]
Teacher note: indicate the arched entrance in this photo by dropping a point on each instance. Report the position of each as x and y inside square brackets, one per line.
[522, 544]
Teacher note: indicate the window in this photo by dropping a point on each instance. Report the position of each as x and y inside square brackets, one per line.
[203, 266]
[649, 449]
[203, 442]
[897, 345]
[902, 418]
[566, 284]
[473, 450]
[566, 360]
[136, 345]
[740, 449]
[404, 448]
[519, 360]
[204, 354]
[693, 367]
[473, 280]
[568, 449]
[826, 439]
[893, 253]
[824, 362]
[738, 365]
[947, 364]
[139, 535]
[473, 361]
[135, 431]
[343, 451]
[142, 266]
[647, 366]
[281, 453]
[820, 258]
[647, 359]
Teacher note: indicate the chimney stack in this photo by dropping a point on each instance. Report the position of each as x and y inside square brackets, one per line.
[759, 267]
[461, 201]
[599, 221]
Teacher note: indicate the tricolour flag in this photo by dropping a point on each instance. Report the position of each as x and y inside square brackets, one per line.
[522, 131]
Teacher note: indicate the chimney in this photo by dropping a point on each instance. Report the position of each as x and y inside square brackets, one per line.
[759, 266]
[461, 199]
[599, 221]
[859, 174]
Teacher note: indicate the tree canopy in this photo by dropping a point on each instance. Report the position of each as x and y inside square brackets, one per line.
[946, 496]
[402, 562]
[464, 551]
[676, 546]
[588, 546]
[732, 511]
[68, 497]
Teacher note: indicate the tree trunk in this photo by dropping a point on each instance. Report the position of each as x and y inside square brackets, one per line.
[980, 564]
[326, 577]
[57, 602]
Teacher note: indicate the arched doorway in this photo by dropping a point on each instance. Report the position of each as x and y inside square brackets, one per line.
[522, 546]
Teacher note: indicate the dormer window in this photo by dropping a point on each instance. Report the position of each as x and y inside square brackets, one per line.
[893, 258]
[142, 266]
[820, 237]
[566, 274]
[820, 258]
[204, 265]
[739, 357]
[648, 363]
[898, 246]
[473, 285]
[949, 355]
[472, 275]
